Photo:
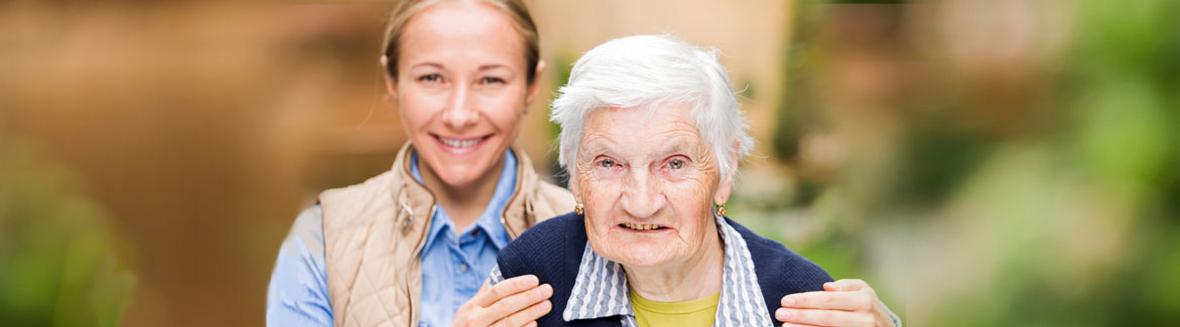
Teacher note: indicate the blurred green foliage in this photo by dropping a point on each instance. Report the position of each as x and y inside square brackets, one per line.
[1039, 191]
[562, 66]
[57, 253]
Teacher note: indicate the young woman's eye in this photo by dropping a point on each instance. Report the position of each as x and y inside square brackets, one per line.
[430, 78]
[492, 80]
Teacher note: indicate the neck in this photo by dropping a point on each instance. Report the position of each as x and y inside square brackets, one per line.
[463, 203]
[695, 278]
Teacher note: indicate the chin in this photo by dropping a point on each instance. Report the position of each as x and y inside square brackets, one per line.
[638, 255]
[462, 171]
[462, 174]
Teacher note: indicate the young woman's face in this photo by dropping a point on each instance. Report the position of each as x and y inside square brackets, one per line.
[462, 88]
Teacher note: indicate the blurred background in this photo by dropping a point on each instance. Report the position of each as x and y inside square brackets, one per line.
[980, 163]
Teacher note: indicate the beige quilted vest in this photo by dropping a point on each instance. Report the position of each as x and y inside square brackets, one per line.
[373, 233]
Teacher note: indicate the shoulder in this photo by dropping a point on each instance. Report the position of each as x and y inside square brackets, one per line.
[548, 200]
[548, 232]
[349, 209]
[307, 232]
[298, 291]
[565, 223]
[547, 242]
[554, 196]
[779, 268]
[376, 188]
[552, 251]
[545, 199]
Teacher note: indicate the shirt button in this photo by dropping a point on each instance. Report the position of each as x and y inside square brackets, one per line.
[462, 268]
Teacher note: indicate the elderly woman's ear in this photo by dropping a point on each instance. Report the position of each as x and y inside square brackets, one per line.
[725, 185]
[573, 186]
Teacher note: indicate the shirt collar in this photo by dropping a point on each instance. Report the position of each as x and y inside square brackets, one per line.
[489, 221]
[600, 288]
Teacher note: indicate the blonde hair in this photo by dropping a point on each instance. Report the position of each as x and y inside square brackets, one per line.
[515, 9]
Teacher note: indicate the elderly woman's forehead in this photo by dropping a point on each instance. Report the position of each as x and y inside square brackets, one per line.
[658, 112]
[643, 136]
[681, 141]
[641, 120]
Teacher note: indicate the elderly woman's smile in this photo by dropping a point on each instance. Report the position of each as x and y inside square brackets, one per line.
[643, 227]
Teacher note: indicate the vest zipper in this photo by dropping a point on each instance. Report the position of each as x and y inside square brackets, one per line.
[417, 253]
[512, 234]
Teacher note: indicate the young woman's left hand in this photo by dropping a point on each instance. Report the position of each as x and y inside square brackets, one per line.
[846, 302]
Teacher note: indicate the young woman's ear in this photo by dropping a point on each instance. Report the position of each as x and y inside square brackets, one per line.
[390, 81]
[535, 84]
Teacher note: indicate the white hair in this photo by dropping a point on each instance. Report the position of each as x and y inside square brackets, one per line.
[646, 71]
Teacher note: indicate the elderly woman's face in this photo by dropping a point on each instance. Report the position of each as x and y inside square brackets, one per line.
[647, 180]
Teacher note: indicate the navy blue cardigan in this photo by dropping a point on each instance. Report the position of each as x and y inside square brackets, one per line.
[552, 251]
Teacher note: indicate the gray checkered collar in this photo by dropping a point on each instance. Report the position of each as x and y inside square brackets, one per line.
[600, 289]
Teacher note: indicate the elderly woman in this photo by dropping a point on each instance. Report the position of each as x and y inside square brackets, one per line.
[653, 134]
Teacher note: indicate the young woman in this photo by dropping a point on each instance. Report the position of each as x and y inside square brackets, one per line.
[416, 242]
[414, 245]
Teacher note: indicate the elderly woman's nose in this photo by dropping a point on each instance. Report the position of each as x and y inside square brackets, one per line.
[461, 111]
[642, 196]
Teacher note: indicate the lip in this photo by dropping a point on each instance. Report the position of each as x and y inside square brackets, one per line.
[460, 145]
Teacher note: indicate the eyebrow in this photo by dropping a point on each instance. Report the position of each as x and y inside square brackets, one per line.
[674, 144]
[480, 68]
[598, 144]
[428, 64]
[494, 66]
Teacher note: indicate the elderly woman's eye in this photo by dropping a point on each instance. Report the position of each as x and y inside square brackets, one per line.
[606, 163]
[676, 163]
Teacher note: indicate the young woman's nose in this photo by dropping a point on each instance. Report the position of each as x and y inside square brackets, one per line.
[460, 112]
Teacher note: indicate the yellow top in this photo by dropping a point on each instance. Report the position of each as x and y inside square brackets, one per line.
[699, 312]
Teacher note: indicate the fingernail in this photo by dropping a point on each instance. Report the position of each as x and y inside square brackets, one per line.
[782, 314]
[788, 301]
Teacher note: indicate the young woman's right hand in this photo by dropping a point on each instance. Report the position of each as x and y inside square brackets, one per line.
[517, 301]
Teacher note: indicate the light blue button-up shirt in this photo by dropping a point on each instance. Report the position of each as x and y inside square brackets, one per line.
[453, 265]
